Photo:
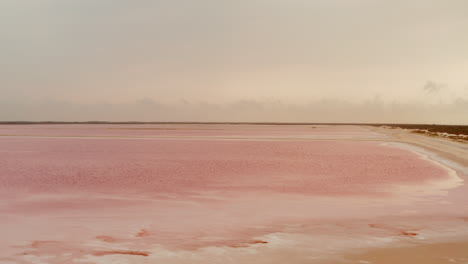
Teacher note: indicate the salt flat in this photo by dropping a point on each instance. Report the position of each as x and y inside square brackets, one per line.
[223, 193]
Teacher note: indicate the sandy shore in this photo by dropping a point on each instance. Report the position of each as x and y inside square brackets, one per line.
[414, 252]
[445, 148]
[455, 252]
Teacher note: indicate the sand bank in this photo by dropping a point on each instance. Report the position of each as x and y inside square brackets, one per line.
[455, 252]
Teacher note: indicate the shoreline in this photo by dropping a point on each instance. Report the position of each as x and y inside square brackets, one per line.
[451, 249]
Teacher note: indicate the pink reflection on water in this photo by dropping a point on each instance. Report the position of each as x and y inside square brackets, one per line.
[124, 197]
[189, 130]
[158, 167]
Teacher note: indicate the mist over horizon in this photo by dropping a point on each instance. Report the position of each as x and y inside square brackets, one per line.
[322, 111]
[244, 61]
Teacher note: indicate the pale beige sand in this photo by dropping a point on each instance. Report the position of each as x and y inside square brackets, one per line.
[445, 148]
[456, 252]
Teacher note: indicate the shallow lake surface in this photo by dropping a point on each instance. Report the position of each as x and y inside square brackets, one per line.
[218, 193]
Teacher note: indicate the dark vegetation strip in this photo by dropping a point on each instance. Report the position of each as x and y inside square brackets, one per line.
[457, 130]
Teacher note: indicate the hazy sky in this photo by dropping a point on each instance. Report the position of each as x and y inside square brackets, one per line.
[294, 52]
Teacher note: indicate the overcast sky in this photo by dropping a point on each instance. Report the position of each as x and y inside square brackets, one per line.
[299, 53]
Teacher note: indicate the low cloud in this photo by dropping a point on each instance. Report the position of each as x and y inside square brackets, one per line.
[146, 101]
[327, 110]
[433, 87]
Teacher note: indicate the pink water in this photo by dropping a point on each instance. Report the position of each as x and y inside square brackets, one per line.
[194, 130]
[130, 198]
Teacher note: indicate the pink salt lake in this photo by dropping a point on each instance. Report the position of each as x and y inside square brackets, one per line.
[217, 193]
